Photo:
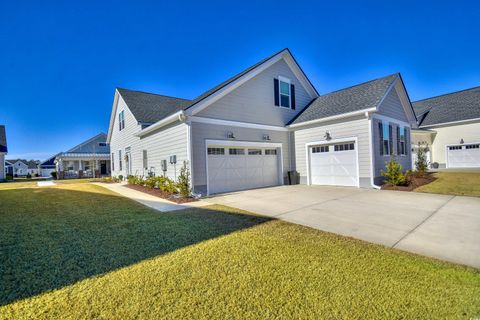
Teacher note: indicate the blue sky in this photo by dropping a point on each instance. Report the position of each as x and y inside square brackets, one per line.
[60, 62]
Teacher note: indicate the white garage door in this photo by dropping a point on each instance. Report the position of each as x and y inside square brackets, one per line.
[241, 168]
[334, 164]
[463, 156]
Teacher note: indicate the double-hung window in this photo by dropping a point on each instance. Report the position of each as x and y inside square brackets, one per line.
[284, 93]
[120, 160]
[121, 120]
[385, 145]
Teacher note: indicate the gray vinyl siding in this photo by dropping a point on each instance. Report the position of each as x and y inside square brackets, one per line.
[254, 100]
[356, 127]
[392, 107]
[202, 132]
[380, 160]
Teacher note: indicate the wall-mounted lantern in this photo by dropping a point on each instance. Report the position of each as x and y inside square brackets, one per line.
[327, 135]
[230, 135]
[266, 137]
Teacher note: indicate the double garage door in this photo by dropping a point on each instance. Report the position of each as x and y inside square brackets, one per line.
[334, 164]
[463, 156]
[232, 168]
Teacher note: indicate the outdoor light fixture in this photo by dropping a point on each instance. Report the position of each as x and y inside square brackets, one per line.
[230, 135]
[327, 135]
[461, 141]
[266, 137]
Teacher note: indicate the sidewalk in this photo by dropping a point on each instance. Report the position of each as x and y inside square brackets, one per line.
[148, 200]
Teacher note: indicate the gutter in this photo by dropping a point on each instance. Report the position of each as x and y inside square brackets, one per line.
[177, 116]
[340, 116]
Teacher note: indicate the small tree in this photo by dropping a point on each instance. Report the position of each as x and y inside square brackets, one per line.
[421, 164]
[183, 183]
[394, 173]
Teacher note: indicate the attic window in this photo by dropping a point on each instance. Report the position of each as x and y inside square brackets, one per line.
[121, 120]
[102, 144]
[284, 85]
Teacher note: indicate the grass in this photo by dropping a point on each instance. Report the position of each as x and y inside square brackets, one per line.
[455, 183]
[77, 251]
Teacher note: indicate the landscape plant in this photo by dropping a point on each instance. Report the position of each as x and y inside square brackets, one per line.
[421, 164]
[183, 182]
[394, 174]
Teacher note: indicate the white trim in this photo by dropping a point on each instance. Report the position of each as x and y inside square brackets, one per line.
[451, 122]
[308, 145]
[289, 82]
[340, 116]
[236, 124]
[111, 126]
[202, 104]
[190, 152]
[391, 120]
[227, 143]
[372, 154]
[180, 116]
[392, 85]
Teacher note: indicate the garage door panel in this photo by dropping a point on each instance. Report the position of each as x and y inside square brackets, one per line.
[333, 167]
[232, 172]
[463, 156]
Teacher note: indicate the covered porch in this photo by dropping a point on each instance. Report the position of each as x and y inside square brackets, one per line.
[82, 165]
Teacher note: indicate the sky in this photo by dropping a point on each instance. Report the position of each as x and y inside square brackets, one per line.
[61, 61]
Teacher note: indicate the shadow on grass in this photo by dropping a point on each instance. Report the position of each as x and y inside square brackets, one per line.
[52, 237]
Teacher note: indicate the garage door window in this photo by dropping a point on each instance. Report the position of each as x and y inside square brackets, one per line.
[235, 151]
[216, 151]
[344, 147]
[320, 149]
[270, 151]
[455, 148]
[254, 151]
[472, 146]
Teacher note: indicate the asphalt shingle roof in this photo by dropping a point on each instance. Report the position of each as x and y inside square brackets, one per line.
[456, 106]
[32, 164]
[149, 107]
[3, 140]
[362, 96]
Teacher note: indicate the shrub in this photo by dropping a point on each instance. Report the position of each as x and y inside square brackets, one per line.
[168, 185]
[120, 177]
[36, 175]
[54, 174]
[9, 177]
[421, 164]
[394, 173]
[29, 176]
[150, 182]
[183, 183]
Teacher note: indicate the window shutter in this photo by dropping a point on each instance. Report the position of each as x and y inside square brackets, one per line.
[390, 138]
[407, 140]
[276, 92]
[145, 161]
[292, 95]
[398, 139]
[380, 135]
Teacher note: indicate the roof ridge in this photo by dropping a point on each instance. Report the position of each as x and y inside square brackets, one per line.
[446, 94]
[155, 94]
[359, 84]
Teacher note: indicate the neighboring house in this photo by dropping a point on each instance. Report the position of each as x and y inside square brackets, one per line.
[22, 167]
[8, 168]
[48, 166]
[3, 152]
[84, 160]
[254, 128]
[450, 125]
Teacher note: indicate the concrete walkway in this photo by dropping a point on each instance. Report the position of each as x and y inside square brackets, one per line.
[149, 200]
[440, 226]
[46, 183]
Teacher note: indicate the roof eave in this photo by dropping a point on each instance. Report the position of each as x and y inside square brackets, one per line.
[336, 117]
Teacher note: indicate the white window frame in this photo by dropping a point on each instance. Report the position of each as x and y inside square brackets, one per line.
[121, 120]
[288, 81]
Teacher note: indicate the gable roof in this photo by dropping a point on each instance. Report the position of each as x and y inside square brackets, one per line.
[149, 107]
[3, 139]
[92, 145]
[363, 96]
[451, 107]
[31, 164]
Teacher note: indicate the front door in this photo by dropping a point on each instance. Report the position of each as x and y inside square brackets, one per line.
[103, 167]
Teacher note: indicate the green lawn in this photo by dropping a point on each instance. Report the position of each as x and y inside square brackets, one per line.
[78, 251]
[458, 183]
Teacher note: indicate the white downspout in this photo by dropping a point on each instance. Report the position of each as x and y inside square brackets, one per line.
[370, 137]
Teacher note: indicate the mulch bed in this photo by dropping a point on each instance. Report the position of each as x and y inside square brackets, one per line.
[414, 182]
[161, 194]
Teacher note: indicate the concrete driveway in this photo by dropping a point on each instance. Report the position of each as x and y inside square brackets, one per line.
[440, 226]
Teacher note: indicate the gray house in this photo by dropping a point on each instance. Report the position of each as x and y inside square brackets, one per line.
[251, 130]
[86, 160]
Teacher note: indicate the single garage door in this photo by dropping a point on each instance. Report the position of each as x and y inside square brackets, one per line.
[241, 168]
[334, 164]
[463, 156]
